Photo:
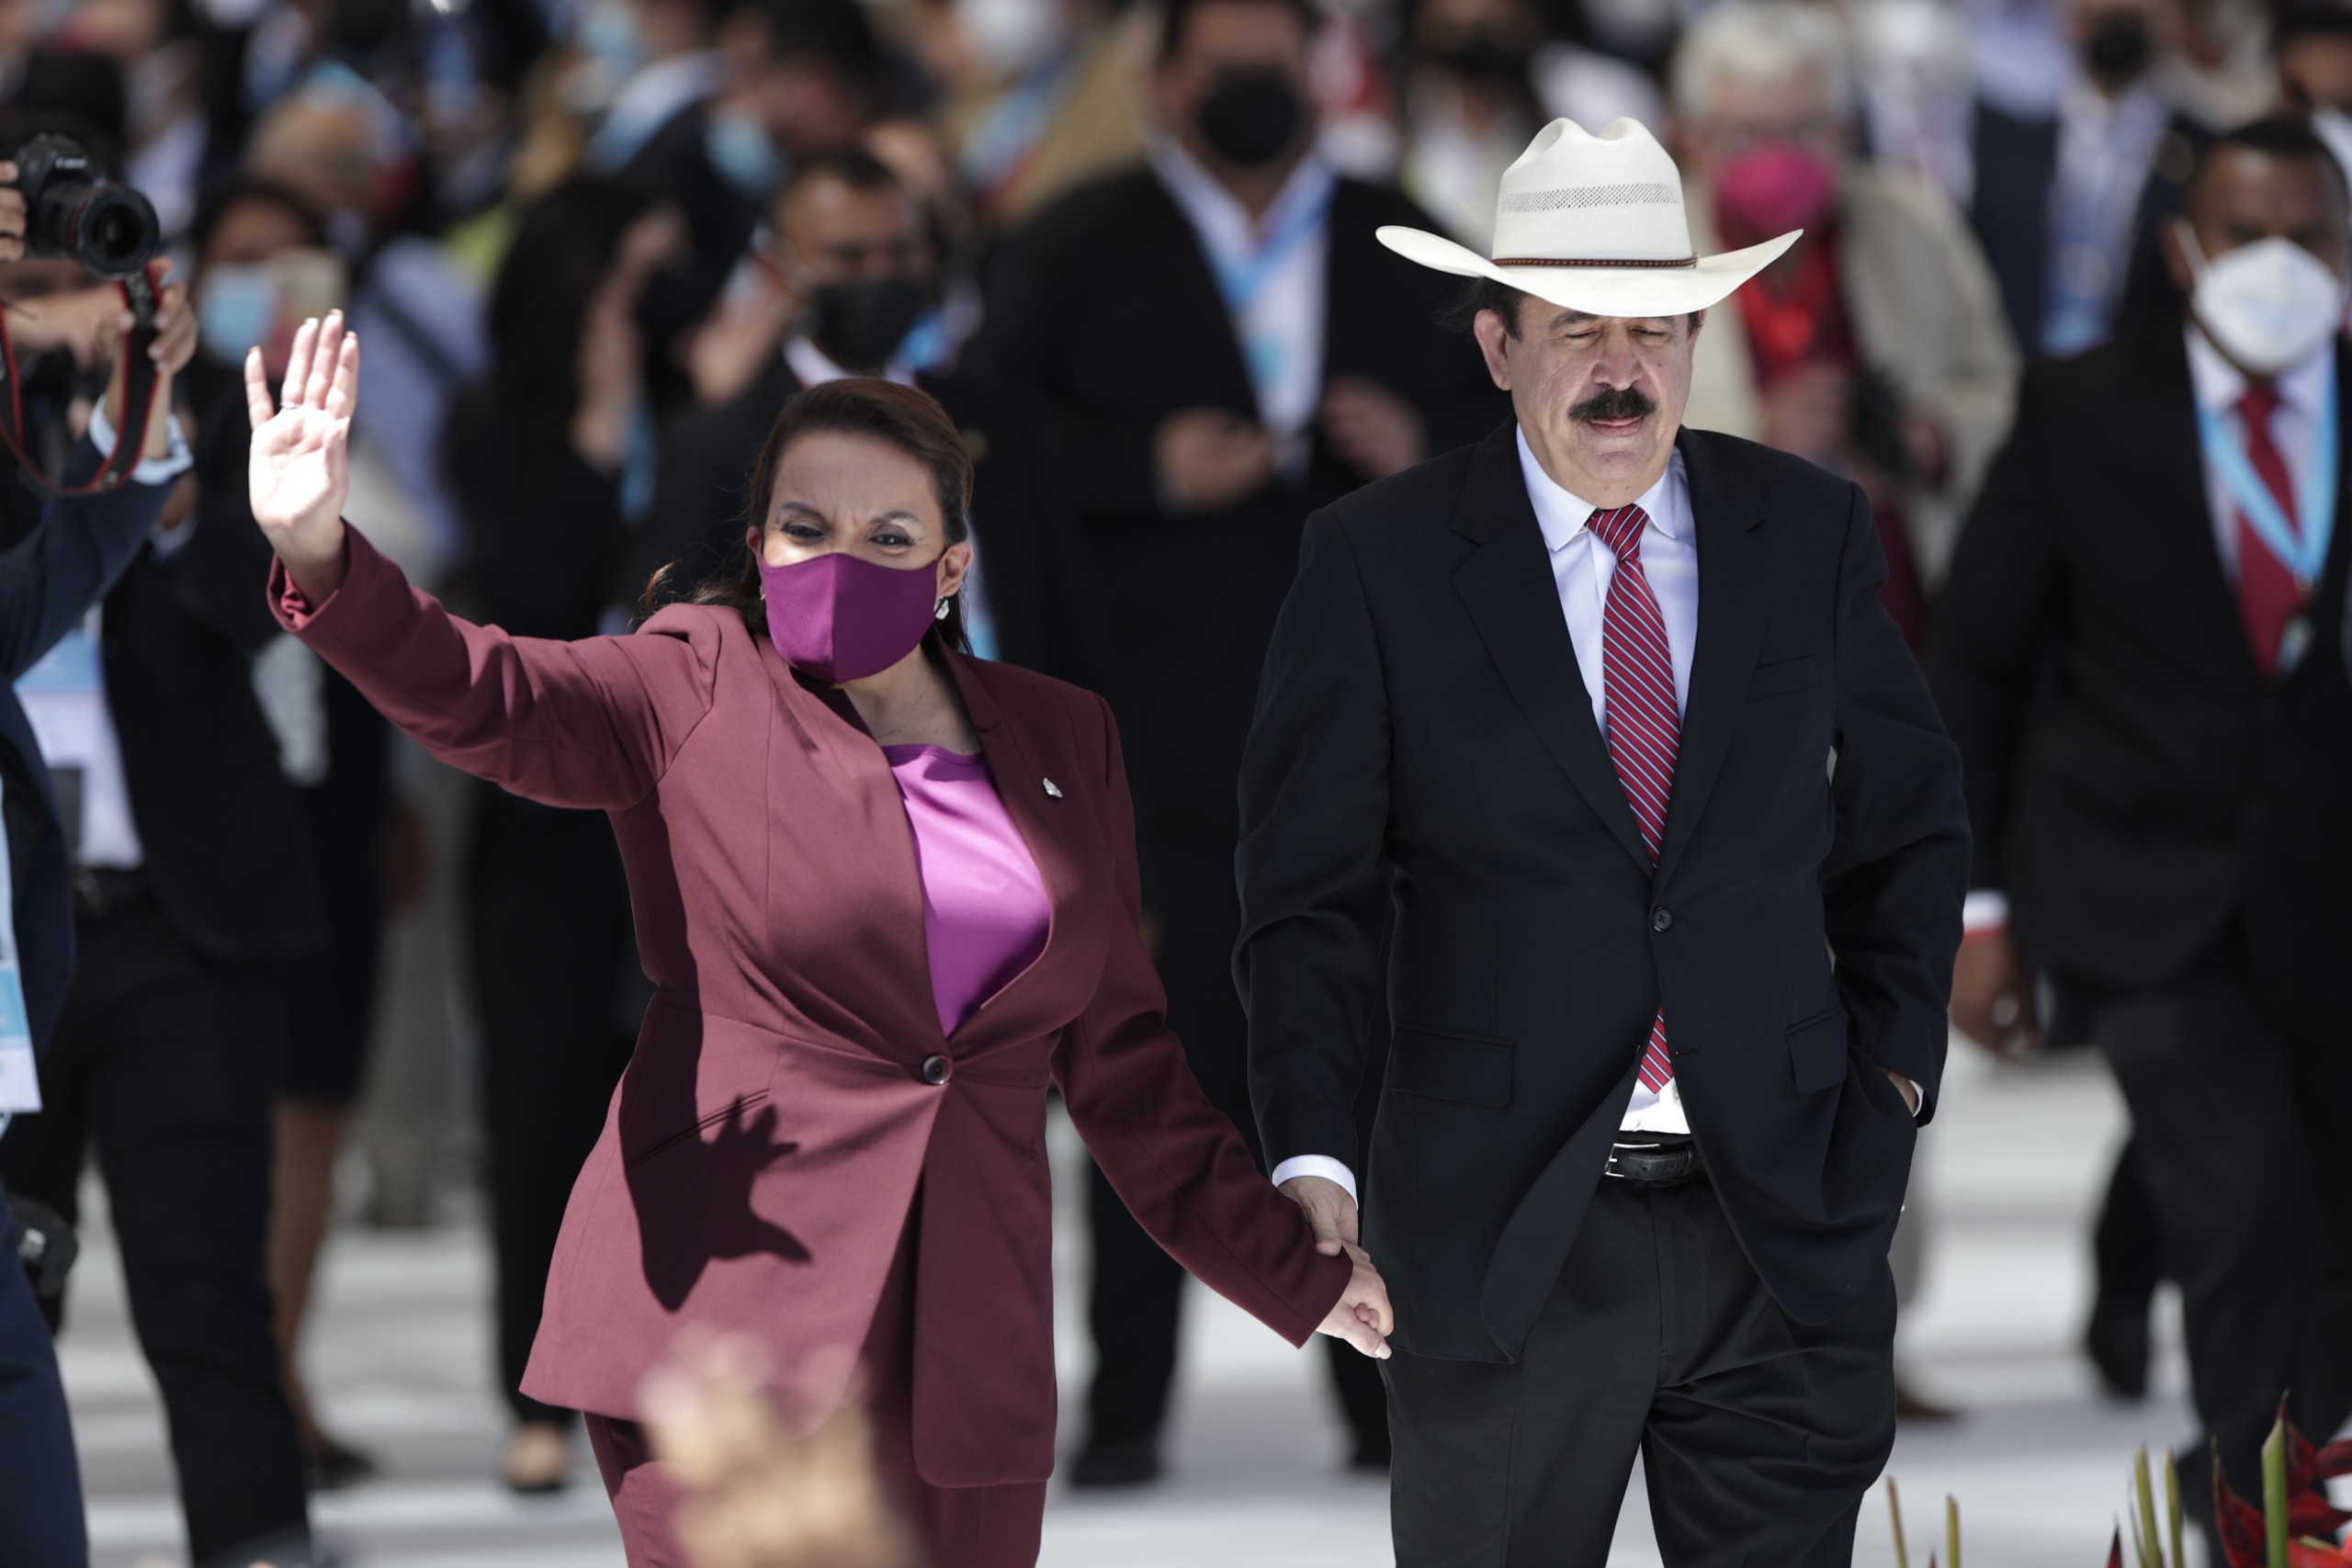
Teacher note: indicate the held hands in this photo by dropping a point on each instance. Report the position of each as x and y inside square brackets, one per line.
[301, 471]
[1362, 1317]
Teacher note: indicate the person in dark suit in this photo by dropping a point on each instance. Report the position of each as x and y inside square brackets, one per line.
[713, 117]
[2068, 205]
[550, 459]
[167, 1052]
[2161, 822]
[858, 273]
[1601, 723]
[49, 577]
[887, 894]
[1225, 349]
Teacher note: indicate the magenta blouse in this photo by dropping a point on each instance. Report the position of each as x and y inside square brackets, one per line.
[984, 905]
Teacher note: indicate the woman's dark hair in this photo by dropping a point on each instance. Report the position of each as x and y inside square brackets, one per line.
[908, 419]
[561, 254]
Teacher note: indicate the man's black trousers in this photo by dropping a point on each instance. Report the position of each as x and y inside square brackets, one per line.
[167, 1061]
[2226, 1113]
[1759, 1436]
[40, 1484]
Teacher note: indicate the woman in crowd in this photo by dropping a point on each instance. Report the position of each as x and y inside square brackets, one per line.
[250, 238]
[886, 892]
[545, 457]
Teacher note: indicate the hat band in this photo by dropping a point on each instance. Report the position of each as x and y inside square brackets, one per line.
[1591, 261]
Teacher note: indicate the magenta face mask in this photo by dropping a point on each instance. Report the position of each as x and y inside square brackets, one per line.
[839, 617]
[1771, 189]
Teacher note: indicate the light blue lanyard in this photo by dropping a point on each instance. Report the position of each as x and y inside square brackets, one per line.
[2304, 554]
[1242, 282]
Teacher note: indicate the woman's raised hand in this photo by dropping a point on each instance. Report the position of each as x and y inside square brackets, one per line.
[301, 470]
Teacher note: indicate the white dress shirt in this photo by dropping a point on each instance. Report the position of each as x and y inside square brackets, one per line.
[1582, 564]
[1280, 324]
[2217, 385]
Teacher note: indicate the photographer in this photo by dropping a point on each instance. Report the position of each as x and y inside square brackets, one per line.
[1875, 345]
[166, 1049]
[52, 571]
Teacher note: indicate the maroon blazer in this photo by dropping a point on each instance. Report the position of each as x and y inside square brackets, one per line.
[765, 1147]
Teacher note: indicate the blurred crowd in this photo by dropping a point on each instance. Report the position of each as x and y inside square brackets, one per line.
[592, 246]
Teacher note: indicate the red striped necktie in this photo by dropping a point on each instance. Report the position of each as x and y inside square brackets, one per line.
[1645, 726]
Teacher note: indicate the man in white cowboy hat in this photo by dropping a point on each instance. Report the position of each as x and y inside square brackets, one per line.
[1599, 728]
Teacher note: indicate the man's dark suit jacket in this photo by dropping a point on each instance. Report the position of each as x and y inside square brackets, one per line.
[2133, 783]
[720, 218]
[48, 579]
[1022, 528]
[2016, 165]
[1424, 735]
[208, 793]
[1106, 309]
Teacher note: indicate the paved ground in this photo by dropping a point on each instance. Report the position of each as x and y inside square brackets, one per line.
[2011, 1169]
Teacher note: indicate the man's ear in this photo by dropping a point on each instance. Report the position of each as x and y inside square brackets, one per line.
[1494, 340]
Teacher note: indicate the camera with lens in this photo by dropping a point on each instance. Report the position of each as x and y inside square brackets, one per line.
[73, 210]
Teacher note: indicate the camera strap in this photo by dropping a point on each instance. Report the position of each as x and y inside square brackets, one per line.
[138, 375]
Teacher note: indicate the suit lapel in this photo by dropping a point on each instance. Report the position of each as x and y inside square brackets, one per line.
[2168, 454]
[1731, 611]
[1515, 602]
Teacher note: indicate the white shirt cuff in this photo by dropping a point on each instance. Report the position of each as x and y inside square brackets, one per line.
[1984, 909]
[1323, 1166]
[151, 470]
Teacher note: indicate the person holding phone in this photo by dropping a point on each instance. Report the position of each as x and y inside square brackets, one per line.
[887, 892]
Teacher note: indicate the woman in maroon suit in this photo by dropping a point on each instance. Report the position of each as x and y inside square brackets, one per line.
[885, 891]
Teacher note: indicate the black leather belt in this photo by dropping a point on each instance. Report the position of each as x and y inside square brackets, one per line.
[1660, 1160]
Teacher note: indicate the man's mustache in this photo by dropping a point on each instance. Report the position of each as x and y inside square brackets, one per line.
[1615, 403]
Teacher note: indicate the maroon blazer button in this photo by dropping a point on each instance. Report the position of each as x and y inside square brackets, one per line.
[936, 1070]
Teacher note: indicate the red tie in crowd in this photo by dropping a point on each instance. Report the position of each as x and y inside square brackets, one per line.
[2268, 595]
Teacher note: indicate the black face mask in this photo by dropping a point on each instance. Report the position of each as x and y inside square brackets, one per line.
[1251, 120]
[861, 325]
[1483, 57]
[2118, 48]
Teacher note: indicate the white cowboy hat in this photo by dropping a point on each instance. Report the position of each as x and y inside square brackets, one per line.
[1595, 223]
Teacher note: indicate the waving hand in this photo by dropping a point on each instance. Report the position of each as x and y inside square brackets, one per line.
[301, 470]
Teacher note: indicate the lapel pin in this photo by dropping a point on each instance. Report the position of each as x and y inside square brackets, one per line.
[1053, 790]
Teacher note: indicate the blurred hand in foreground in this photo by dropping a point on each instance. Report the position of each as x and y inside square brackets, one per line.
[756, 1495]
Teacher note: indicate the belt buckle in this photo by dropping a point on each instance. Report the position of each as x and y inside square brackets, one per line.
[1686, 1151]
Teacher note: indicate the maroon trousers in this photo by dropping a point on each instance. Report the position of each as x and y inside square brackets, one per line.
[960, 1526]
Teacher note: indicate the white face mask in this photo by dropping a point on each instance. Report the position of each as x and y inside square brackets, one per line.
[2268, 305]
